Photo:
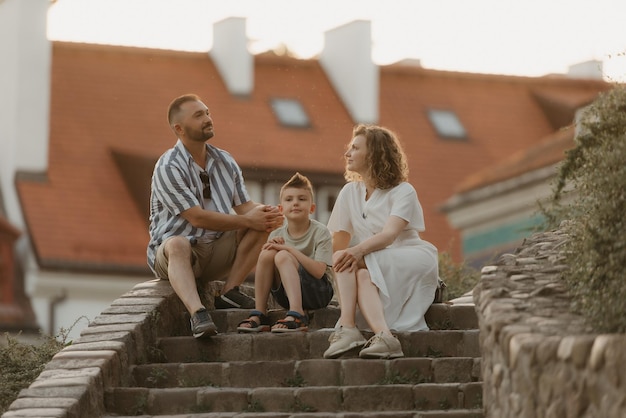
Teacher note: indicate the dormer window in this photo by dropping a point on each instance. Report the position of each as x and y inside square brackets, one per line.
[290, 113]
[447, 124]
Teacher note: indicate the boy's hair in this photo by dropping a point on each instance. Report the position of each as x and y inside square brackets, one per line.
[298, 181]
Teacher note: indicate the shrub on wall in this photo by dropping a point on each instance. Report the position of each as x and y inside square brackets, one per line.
[459, 278]
[21, 363]
[593, 176]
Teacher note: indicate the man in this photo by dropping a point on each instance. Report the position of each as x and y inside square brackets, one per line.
[194, 233]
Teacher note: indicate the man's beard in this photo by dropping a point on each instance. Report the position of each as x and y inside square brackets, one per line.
[199, 136]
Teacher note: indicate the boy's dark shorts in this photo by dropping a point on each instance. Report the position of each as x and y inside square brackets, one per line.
[316, 293]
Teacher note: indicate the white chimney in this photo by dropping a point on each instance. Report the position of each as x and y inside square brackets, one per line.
[591, 69]
[25, 94]
[347, 60]
[231, 56]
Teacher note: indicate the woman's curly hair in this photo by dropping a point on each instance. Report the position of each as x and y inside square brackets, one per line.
[385, 157]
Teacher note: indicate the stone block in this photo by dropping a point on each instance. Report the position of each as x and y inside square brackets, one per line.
[273, 399]
[37, 413]
[268, 346]
[172, 401]
[120, 319]
[317, 399]
[132, 301]
[318, 342]
[411, 370]
[223, 400]
[202, 374]
[576, 349]
[436, 396]
[126, 401]
[472, 395]
[455, 369]
[432, 343]
[260, 373]
[363, 372]
[463, 317]
[319, 372]
[378, 398]
[156, 375]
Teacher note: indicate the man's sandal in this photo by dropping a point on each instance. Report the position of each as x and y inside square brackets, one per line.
[299, 323]
[252, 323]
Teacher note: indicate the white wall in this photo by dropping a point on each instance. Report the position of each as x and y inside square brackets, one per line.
[82, 297]
[25, 97]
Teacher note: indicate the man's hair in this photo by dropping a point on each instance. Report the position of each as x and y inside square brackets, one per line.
[385, 157]
[174, 107]
[298, 181]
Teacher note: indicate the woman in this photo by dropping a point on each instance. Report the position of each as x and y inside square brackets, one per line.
[381, 264]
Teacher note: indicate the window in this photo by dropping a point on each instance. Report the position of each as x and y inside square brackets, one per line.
[447, 124]
[290, 113]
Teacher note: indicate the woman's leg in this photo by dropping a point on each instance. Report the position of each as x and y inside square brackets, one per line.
[347, 289]
[369, 302]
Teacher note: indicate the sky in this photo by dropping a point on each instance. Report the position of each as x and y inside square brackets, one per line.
[515, 37]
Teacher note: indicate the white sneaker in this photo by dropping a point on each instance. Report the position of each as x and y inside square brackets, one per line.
[343, 340]
[382, 346]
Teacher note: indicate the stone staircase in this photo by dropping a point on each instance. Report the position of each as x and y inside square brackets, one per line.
[153, 367]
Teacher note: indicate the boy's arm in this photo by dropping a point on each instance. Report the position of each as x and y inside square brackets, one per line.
[314, 267]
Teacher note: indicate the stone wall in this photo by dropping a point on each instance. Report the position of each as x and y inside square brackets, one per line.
[539, 359]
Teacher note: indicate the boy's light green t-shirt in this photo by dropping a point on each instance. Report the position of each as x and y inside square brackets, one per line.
[317, 243]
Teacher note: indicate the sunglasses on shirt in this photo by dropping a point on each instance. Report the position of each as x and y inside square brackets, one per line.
[206, 192]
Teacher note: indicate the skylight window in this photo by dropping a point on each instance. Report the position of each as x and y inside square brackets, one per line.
[290, 113]
[447, 124]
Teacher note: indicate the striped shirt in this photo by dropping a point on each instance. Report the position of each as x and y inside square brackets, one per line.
[176, 187]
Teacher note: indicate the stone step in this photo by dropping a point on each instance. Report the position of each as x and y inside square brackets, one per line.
[392, 397]
[440, 316]
[451, 413]
[315, 372]
[302, 345]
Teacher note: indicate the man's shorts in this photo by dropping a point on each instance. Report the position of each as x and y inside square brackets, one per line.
[316, 293]
[210, 261]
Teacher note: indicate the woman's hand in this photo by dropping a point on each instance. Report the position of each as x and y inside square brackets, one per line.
[350, 259]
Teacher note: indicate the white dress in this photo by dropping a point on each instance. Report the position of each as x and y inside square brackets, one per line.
[406, 271]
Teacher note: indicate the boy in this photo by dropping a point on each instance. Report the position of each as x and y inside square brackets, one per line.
[294, 264]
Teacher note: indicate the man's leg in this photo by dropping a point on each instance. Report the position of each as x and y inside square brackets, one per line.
[175, 256]
[180, 272]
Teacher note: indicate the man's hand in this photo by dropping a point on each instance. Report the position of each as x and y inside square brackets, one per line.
[264, 218]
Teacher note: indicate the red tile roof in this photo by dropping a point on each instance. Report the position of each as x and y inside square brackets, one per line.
[108, 101]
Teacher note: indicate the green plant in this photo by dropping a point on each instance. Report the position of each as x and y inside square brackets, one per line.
[297, 381]
[396, 378]
[421, 403]
[197, 382]
[255, 406]
[589, 194]
[157, 376]
[432, 352]
[459, 278]
[140, 405]
[21, 363]
[445, 403]
[299, 406]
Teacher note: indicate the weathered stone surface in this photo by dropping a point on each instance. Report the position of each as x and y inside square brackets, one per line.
[540, 359]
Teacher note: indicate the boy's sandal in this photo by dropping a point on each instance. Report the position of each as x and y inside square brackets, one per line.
[253, 325]
[299, 323]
